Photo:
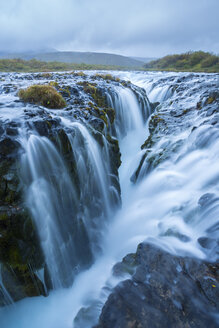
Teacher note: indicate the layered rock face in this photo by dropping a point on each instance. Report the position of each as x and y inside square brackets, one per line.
[20, 254]
[24, 265]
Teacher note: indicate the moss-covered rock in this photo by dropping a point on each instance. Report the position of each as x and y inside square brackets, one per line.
[107, 77]
[44, 95]
[20, 251]
[20, 283]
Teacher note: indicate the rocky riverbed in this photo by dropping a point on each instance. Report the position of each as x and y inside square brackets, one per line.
[123, 165]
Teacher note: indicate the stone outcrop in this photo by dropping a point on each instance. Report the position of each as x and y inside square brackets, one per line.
[158, 292]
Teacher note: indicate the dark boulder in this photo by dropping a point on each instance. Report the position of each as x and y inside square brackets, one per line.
[8, 147]
[163, 291]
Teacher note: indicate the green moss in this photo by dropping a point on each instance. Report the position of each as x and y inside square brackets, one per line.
[65, 91]
[199, 105]
[11, 197]
[21, 282]
[91, 104]
[49, 124]
[79, 73]
[90, 88]
[107, 77]
[54, 84]
[94, 92]
[104, 118]
[148, 143]
[126, 83]
[210, 100]
[110, 113]
[14, 257]
[116, 155]
[44, 95]
[113, 141]
[18, 240]
[46, 75]
[3, 217]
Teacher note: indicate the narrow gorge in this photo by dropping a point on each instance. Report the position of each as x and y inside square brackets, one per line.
[109, 207]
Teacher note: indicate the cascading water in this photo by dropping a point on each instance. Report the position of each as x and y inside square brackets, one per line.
[128, 115]
[85, 150]
[68, 210]
[52, 201]
[167, 205]
[97, 197]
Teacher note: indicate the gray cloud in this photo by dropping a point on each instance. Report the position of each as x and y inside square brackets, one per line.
[140, 27]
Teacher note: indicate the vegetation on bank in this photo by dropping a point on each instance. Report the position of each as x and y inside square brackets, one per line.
[33, 65]
[197, 61]
[44, 95]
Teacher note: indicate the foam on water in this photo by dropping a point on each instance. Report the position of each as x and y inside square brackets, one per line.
[164, 207]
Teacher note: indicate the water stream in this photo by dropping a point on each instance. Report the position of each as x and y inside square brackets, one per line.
[162, 207]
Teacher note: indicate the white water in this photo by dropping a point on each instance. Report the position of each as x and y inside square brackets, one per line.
[98, 172]
[69, 215]
[128, 113]
[46, 178]
[165, 200]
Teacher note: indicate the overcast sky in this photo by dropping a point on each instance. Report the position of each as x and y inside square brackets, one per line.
[147, 28]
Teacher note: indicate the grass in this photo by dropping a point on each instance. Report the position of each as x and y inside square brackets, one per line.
[198, 61]
[44, 95]
[33, 65]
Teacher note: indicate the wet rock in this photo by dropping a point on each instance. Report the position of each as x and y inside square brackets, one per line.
[208, 243]
[63, 142]
[1, 131]
[20, 252]
[20, 284]
[175, 233]
[164, 291]
[97, 124]
[207, 199]
[211, 111]
[11, 131]
[174, 117]
[8, 147]
[41, 127]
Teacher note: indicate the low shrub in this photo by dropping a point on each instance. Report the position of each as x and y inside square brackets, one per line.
[44, 95]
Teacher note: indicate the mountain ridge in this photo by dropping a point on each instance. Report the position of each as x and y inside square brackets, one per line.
[77, 57]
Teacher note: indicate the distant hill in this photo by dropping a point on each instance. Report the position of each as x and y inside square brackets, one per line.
[90, 58]
[198, 61]
[34, 65]
[144, 59]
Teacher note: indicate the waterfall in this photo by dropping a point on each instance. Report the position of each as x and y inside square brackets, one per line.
[97, 196]
[69, 211]
[52, 200]
[129, 114]
[89, 166]
[167, 206]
